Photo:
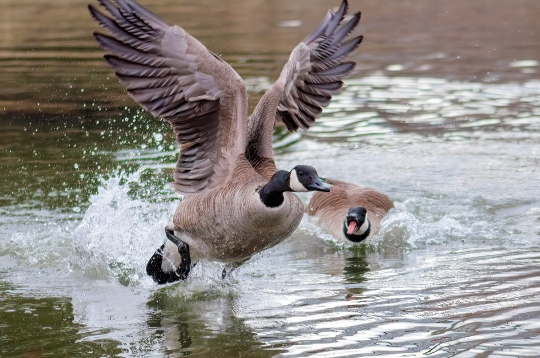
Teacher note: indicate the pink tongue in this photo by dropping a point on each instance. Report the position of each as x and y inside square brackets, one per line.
[352, 226]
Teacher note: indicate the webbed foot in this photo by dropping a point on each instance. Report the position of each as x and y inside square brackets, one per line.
[171, 262]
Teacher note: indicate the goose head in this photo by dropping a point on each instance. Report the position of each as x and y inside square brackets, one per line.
[303, 178]
[356, 222]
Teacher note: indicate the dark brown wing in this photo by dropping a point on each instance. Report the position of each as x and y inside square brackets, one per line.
[173, 76]
[316, 69]
[310, 77]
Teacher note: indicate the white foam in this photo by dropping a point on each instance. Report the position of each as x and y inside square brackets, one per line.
[118, 234]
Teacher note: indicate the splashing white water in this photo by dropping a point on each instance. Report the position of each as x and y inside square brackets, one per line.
[118, 234]
[42, 243]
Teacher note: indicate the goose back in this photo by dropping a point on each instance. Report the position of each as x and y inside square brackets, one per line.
[332, 208]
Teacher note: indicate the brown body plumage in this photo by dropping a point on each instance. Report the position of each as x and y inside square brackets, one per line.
[230, 223]
[225, 157]
[331, 208]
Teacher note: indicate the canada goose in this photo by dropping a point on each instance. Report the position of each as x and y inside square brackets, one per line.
[350, 212]
[233, 222]
[237, 202]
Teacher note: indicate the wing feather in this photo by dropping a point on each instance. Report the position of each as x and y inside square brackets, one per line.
[314, 73]
[173, 76]
[317, 74]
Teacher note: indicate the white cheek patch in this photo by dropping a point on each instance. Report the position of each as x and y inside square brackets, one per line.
[295, 184]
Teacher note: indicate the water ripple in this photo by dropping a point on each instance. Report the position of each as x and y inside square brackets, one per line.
[481, 307]
[380, 106]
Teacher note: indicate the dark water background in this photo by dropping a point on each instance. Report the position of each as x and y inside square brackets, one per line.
[442, 113]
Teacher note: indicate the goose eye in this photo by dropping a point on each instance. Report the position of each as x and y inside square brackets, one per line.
[300, 173]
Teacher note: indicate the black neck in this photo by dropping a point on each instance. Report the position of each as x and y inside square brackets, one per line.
[356, 238]
[272, 193]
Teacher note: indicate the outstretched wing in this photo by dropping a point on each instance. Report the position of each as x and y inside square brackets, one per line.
[173, 76]
[310, 77]
[316, 68]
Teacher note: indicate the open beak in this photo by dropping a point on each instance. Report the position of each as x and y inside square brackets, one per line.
[352, 224]
[317, 184]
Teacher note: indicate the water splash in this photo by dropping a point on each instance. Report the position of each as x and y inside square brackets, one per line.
[118, 233]
[42, 243]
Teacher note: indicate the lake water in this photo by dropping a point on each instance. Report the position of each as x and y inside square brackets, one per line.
[442, 114]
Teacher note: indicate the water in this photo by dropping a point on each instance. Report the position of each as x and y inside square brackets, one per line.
[443, 115]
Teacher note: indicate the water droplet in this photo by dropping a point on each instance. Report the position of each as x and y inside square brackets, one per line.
[396, 67]
[524, 63]
[291, 23]
[158, 137]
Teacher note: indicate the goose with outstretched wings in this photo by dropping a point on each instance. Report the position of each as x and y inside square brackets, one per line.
[237, 202]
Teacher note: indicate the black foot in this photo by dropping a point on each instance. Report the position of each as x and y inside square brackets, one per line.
[153, 268]
[183, 250]
[230, 267]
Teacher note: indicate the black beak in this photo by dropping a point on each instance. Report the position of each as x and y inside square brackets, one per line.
[317, 184]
